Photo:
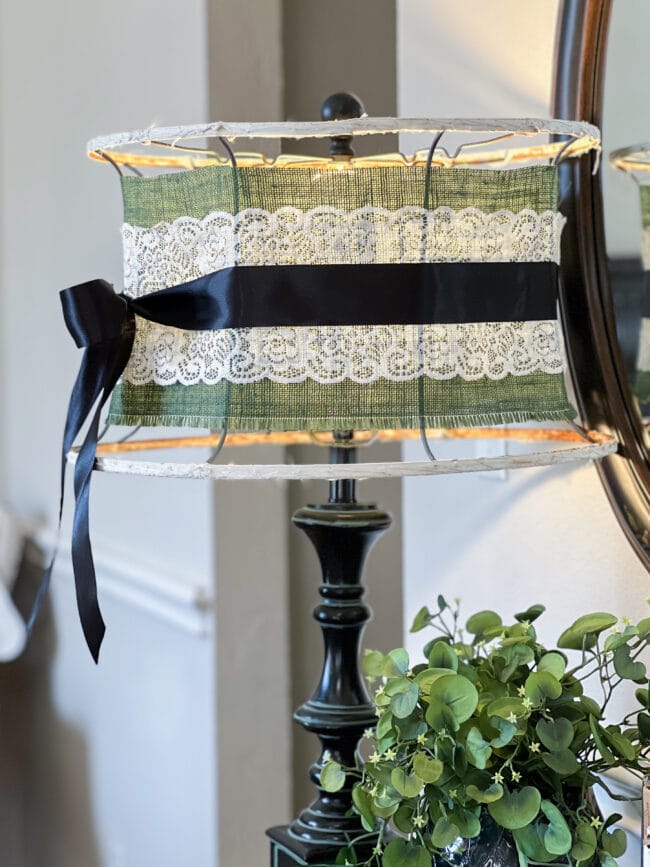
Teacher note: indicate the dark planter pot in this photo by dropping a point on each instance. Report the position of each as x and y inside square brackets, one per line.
[494, 847]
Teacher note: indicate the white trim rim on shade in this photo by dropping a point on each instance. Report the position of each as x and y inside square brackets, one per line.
[354, 126]
[371, 470]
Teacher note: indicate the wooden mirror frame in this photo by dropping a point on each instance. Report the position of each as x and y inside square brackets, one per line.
[603, 393]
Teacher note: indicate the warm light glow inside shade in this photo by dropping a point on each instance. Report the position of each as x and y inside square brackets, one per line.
[471, 365]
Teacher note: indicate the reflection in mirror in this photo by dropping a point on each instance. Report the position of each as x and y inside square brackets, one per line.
[632, 286]
[626, 120]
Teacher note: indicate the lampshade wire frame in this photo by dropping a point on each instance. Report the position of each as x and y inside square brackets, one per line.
[558, 156]
[477, 144]
[222, 438]
[104, 155]
[130, 434]
[427, 195]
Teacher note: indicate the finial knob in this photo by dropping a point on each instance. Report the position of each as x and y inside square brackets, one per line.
[342, 106]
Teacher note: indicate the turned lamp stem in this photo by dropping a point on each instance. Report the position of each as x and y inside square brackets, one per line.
[342, 532]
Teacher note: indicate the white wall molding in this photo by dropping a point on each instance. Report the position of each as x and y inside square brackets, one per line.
[176, 598]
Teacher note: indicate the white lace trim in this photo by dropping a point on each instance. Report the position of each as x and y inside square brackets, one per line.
[172, 253]
[362, 354]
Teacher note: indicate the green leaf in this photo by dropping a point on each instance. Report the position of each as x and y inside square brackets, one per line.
[442, 602]
[590, 706]
[373, 663]
[514, 656]
[492, 793]
[507, 731]
[421, 620]
[396, 663]
[384, 724]
[408, 785]
[346, 856]
[617, 639]
[643, 721]
[516, 809]
[586, 629]
[554, 663]
[503, 707]
[425, 678]
[363, 805]
[598, 733]
[403, 817]
[427, 769]
[478, 749]
[332, 777]
[482, 620]
[556, 734]
[615, 843]
[541, 685]
[619, 743]
[402, 853]
[440, 717]
[530, 842]
[444, 833]
[643, 627]
[442, 656]
[456, 693]
[412, 726]
[557, 838]
[531, 614]
[562, 762]
[467, 822]
[626, 667]
[584, 842]
[404, 696]
[642, 696]
[606, 859]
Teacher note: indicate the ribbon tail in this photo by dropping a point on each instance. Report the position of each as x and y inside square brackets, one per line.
[86, 389]
[111, 363]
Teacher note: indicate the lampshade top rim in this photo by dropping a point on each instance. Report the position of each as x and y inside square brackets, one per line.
[355, 126]
[631, 158]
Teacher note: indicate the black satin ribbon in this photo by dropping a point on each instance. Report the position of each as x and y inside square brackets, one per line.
[259, 296]
[103, 324]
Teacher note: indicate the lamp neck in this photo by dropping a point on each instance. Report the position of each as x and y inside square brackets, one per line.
[343, 491]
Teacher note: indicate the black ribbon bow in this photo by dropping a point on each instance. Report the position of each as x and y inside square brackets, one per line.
[103, 324]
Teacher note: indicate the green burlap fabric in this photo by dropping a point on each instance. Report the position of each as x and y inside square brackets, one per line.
[266, 405]
[383, 404]
[148, 201]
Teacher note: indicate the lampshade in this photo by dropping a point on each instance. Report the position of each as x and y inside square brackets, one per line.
[635, 160]
[282, 296]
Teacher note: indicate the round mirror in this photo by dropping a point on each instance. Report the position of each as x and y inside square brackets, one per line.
[602, 76]
[626, 194]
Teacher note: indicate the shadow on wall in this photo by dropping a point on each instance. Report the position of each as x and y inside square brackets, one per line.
[45, 792]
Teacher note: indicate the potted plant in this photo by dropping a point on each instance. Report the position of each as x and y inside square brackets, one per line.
[488, 751]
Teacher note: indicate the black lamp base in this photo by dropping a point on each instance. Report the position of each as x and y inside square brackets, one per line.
[287, 850]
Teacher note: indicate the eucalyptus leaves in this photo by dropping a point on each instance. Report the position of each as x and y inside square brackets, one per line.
[495, 724]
